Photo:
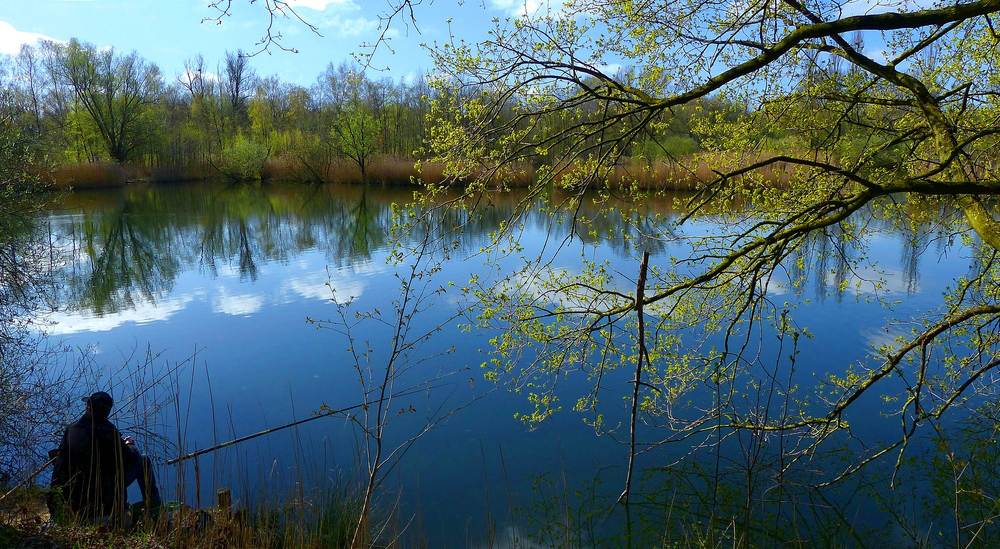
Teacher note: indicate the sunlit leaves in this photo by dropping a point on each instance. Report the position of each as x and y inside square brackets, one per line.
[807, 134]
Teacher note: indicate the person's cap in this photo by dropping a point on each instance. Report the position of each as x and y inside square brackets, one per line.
[100, 402]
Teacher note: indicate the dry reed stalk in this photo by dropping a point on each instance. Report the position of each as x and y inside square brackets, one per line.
[283, 168]
[86, 176]
[520, 174]
[685, 174]
[432, 173]
[339, 171]
[393, 171]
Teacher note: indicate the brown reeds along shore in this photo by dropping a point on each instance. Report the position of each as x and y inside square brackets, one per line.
[86, 175]
[689, 173]
[383, 171]
[692, 174]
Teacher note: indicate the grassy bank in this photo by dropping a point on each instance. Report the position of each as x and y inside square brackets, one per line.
[323, 521]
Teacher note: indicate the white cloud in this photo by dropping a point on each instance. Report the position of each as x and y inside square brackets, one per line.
[610, 68]
[237, 305]
[884, 339]
[411, 77]
[559, 285]
[862, 280]
[529, 8]
[354, 27]
[318, 281]
[315, 286]
[319, 5]
[869, 7]
[191, 76]
[11, 38]
[872, 7]
[143, 313]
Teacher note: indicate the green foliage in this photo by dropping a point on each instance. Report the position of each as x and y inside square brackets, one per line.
[21, 196]
[84, 139]
[671, 146]
[244, 159]
[355, 135]
[85, 105]
[863, 135]
[116, 91]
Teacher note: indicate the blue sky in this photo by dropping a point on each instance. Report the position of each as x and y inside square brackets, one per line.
[169, 31]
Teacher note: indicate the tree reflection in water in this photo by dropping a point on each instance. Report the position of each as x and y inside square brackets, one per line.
[131, 244]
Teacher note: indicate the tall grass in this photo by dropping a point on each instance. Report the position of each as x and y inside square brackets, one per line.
[86, 176]
[518, 175]
[298, 506]
[284, 168]
[686, 173]
[308, 503]
[329, 524]
[388, 171]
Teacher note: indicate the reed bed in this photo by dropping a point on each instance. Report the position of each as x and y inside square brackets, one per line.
[103, 175]
[393, 171]
[286, 168]
[694, 173]
[519, 175]
[383, 171]
[388, 171]
[687, 174]
[86, 176]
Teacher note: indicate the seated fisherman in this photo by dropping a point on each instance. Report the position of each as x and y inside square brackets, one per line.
[94, 465]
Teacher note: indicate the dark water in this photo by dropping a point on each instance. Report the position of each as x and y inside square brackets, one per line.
[220, 281]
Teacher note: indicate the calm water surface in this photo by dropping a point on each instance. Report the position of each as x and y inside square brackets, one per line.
[222, 279]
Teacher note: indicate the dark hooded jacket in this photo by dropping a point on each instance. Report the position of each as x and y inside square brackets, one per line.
[89, 468]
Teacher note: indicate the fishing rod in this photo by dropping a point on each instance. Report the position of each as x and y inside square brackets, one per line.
[289, 425]
[260, 434]
[27, 480]
[411, 391]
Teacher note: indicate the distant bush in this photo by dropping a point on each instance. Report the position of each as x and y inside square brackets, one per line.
[244, 159]
[675, 146]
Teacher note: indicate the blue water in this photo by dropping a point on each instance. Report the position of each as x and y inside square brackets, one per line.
[219, 282]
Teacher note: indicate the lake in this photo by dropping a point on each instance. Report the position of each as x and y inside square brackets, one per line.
[218, 283]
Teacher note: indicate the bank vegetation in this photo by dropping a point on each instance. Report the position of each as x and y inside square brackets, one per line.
[102, 118]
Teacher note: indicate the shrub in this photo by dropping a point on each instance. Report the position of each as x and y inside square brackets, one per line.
[244, 159]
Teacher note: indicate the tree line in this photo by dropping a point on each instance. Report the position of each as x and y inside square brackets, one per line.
[80, 104]
[83, 105]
